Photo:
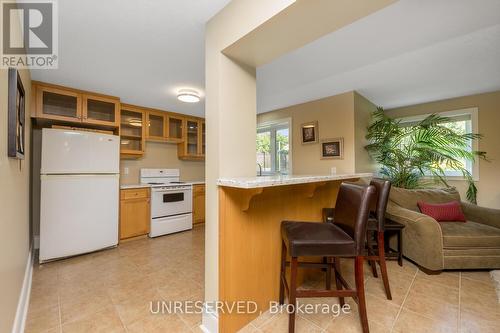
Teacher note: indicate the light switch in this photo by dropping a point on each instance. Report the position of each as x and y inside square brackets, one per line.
[125, 171]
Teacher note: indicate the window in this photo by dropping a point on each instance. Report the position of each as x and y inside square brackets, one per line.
[273, 147]
[462, 121]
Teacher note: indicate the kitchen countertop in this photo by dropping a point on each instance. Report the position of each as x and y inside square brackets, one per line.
[269, 181]
[195, 182]
[187, 182]
[128, 186]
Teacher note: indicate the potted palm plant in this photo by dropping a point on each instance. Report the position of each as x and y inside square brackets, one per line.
[417, 156]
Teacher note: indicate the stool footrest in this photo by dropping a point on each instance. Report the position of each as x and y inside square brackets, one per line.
[326, 293]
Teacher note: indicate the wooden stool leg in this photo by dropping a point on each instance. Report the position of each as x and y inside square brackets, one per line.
[373, 264]
[360, 290]
[383, 266]
[291, 297]
[400, 248]
[328, 282]
[282, 273]
[338, 283]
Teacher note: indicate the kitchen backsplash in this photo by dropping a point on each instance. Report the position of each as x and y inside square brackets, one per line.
[160, 155]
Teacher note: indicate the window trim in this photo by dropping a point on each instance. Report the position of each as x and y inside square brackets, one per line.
[261, 127]
[473, 113]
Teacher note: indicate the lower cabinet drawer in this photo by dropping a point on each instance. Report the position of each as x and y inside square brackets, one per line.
[134, 193]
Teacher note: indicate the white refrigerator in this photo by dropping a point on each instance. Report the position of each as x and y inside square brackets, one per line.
[79, 192]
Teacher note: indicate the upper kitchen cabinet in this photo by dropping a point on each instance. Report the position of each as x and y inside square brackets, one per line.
[132, 131]
[58, 104]
[175, 127]
[192, 148]
[101, 110]
[61, 104]
[164, 126]
[192, 137]
[156, 126]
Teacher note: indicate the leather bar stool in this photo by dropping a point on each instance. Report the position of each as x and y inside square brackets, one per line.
[345, 238]
[376, 227]
[376, 223]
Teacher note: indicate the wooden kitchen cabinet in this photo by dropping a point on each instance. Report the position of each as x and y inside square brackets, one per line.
[198, 203]
[193, 146]
[175, 127]
[58, 104]
[132, 131]
[135, 212]
[164, 126]
[156, 126]
[69, 105]
[101, 110]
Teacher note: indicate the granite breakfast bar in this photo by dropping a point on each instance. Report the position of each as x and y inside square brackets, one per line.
[250, 213]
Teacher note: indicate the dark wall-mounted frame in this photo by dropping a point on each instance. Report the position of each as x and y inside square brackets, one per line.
[332, 148]
[309, 132]
[16, 116]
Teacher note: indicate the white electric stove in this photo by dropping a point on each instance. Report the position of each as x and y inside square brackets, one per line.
[171, 201]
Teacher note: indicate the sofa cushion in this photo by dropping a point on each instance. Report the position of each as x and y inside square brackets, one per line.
[409, 198]
[449, 211]
[469, 235]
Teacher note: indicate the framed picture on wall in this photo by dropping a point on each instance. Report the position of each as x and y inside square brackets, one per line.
[16, 119]
[309, 132]
[332, 148]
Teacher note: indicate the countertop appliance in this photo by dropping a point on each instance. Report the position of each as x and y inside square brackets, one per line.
[79, 196]
[171, 201]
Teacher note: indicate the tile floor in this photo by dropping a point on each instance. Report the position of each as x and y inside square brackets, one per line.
[110, 291]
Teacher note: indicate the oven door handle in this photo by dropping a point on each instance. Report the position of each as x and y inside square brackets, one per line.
[172, 190]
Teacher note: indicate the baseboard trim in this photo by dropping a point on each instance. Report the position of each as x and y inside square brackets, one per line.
[209, 321]
[24, 297]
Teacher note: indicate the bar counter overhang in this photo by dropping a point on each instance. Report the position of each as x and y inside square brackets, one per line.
[250, 214]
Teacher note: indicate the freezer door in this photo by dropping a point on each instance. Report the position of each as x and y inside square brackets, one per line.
[78, 214]
[77, 152]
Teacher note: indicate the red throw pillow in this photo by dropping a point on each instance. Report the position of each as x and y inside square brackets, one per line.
[445, 212]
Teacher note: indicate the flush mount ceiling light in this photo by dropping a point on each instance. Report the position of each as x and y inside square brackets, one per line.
[188, 96]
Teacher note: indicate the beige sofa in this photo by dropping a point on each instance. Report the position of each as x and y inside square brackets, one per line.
[448, 245]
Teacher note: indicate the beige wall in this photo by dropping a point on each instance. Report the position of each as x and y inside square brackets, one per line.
[14, 210]
[363, 109]
[489, 120]
[161, 155]
[346, 115]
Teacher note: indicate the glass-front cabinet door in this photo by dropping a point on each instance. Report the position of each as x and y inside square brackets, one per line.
[175, 126]
[58, 104]
[156, 126]
[132, 131]
[193, 147]
[101, 110]
[192, 137]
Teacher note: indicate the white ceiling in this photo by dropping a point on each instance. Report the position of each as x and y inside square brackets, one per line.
[141, 51]
[411, 52]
